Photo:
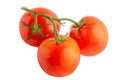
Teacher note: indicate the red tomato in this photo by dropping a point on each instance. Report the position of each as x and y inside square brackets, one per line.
[92, 37]
[47, 27]
[58, 59]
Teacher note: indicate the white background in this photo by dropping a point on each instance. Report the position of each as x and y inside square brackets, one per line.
[18, 61]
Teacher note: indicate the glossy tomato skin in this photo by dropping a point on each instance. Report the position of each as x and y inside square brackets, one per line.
[92, 38]
[61, 59]
[28, 19]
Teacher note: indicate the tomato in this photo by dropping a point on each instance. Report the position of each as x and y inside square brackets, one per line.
[28, 19]
[92, 37]
[59, 59]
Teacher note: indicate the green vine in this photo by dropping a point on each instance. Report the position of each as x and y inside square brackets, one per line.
[36, 28]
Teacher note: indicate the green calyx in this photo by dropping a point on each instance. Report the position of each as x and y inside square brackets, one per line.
[81, 24]
[37, 28]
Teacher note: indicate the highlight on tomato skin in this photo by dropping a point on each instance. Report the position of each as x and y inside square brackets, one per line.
[28, 19]
[58, 59]
[92, 37]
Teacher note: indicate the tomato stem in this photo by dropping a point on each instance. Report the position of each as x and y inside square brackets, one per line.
[57, 19]
[35, 23]
[67, 19]
[58, 38]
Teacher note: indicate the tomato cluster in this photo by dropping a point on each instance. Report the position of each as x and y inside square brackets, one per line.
[59, 55]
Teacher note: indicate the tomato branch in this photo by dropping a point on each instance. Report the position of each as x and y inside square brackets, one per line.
[58, 38]
[57, 19]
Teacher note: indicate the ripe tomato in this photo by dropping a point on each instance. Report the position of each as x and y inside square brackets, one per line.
[46, 27]
[92, 37]
[58, 59]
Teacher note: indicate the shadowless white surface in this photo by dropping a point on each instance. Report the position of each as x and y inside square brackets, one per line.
[18, 61]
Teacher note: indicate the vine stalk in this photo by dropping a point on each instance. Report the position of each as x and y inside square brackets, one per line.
[52, 19]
